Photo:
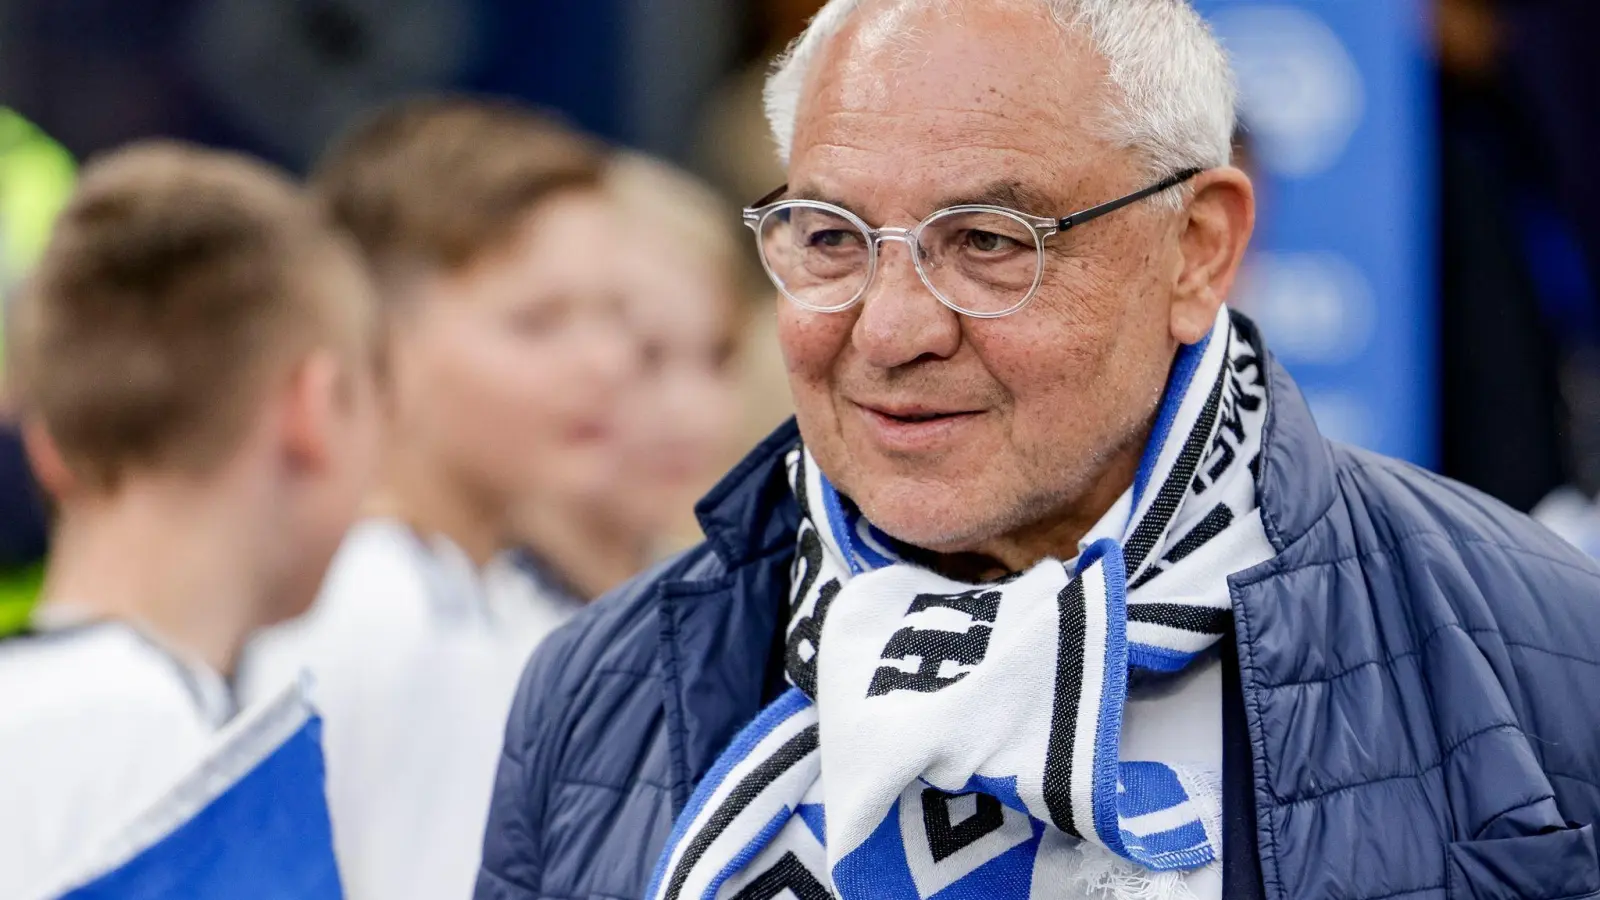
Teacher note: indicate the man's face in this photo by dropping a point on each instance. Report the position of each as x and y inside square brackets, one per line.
[954, 433]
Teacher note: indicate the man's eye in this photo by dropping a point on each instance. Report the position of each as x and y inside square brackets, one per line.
[989, 242]
[833, 237]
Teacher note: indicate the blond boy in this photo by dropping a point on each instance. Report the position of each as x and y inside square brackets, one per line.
[497, 256]
[191, 361]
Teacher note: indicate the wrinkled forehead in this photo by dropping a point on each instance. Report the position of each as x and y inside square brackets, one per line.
[912, 107]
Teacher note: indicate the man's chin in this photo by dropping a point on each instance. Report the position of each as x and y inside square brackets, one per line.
[938, 523]
[943, 504]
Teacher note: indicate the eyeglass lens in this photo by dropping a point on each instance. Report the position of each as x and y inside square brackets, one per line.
[980, 262]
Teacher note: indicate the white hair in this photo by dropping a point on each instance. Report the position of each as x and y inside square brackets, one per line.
[1172, 98]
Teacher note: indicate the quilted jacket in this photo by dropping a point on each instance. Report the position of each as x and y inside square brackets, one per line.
[1418, 680]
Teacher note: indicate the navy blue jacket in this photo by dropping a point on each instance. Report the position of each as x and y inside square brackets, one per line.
[1417, 686]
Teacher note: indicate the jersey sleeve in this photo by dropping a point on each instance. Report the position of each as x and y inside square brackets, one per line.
[73, 777]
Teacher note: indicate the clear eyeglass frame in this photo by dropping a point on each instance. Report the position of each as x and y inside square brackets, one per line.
[1043, 228]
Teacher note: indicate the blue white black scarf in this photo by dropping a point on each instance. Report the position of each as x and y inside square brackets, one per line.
[972, 732]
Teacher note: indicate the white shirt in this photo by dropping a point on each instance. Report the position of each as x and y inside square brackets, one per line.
[96, 724]
[416, 656]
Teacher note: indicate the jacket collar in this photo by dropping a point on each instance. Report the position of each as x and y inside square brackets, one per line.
[1296, 484]
[751, 512]
[720, 624]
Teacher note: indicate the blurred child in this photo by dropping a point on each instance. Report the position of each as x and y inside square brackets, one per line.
[676, 419]
[496, 254]
[191, 361]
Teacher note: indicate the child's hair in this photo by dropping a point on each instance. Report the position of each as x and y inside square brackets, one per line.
[436, 182]
[178, 285]
[663, 199]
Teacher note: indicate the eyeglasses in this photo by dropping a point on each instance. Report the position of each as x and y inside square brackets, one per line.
[979, 260]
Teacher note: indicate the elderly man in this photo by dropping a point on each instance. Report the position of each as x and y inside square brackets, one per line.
[1055, 591]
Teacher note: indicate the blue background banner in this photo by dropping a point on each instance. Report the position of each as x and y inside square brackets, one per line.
[1337, 103]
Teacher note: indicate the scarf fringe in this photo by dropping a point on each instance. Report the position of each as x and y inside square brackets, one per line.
[1105, 876]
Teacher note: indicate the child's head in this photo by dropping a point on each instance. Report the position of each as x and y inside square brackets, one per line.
[676, 419]
[195, 328]
[496, 255]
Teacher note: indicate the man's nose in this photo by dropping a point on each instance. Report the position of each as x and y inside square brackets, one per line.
[901, 320]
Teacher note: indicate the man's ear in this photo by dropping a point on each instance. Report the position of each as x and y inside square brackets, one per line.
[308, 406]
[1218, 222]
[45, 458]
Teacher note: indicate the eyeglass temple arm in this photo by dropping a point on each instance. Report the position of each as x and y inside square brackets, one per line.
[770, 198]
[752, 214]
[1096, 212]
[1077, 218]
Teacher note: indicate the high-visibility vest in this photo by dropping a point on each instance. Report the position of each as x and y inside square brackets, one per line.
[36, 178]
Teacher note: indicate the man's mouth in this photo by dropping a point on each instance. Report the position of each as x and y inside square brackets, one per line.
[915, 415]
[923, 417]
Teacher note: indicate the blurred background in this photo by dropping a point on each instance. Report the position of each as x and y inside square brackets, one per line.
[1427, 244]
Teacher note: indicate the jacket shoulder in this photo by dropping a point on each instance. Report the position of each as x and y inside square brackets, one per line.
[598, 670]
[1416, 653]
[1464, 567]
[1389, 503]
[619, 634]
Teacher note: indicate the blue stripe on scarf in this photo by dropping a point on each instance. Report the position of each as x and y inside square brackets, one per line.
[1183, 369]
[1002, 789]
[841, 528]
[792, 701]
[816, 819]
[868, 533]
[1148, 787]
[852, 530]
[1113, 691]
[1185, 838]
[1158, 659]
[878, 868]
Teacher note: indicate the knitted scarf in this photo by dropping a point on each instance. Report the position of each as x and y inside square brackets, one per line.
[963, 740]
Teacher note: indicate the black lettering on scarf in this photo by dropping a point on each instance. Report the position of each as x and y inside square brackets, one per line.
[934, 648]
[805, 634]
[1236, 401]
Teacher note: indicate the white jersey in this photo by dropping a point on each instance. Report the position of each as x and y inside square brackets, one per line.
[96, 724]
[415, 656]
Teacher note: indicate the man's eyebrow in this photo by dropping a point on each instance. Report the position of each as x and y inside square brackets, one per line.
[810, 193]
[1009, 194]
